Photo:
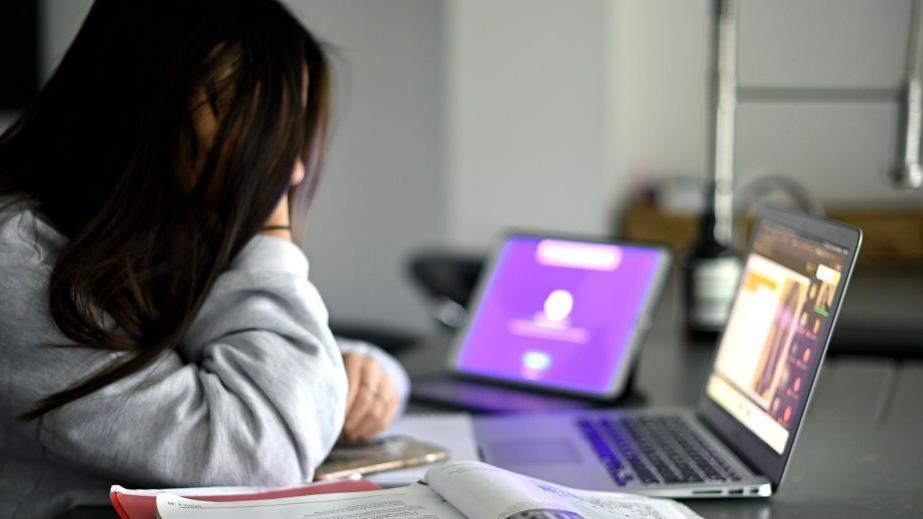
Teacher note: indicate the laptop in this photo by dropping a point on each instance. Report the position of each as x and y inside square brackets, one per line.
[737, 442]
[556, 323]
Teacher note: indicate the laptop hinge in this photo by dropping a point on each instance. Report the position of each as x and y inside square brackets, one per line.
[728, 444]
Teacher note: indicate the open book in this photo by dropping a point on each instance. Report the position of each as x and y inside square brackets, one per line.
[142, 504]
[455, 490]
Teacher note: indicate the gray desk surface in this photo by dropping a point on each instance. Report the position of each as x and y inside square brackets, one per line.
[859, 453]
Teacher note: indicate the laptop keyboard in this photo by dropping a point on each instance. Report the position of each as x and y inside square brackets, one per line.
[654, 450]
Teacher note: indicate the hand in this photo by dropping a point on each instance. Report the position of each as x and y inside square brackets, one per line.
[371, 402]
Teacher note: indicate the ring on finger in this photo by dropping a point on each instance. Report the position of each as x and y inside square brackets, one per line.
[375, 391]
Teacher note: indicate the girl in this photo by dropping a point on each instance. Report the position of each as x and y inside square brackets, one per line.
[156, 322]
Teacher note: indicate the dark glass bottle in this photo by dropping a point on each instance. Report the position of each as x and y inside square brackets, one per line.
[711, 270]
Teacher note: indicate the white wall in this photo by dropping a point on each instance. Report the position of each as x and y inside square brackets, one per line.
[528, 92]
[840, 151]
[660, 90]
[59, 22]
[383, 191]
[556, 109]
[457, 118]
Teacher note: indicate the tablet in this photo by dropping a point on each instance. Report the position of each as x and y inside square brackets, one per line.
[561, 314]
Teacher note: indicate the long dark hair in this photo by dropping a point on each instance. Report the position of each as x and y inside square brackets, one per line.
[109, 155]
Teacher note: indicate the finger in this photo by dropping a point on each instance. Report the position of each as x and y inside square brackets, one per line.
[366, 410]
[393, 405]
[366, 424]
[369, 380]
[374, 420]
[391, 401]
[380, 414]
[353, 364]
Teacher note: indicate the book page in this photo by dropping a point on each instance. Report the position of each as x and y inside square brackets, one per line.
[414, 502]
[142, 504]
[483, 491]
[231, 493]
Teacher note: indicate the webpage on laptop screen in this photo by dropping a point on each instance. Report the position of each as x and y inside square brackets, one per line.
[775, 332]
[558, 312]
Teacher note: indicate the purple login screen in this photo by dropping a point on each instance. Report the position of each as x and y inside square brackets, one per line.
[558, 313]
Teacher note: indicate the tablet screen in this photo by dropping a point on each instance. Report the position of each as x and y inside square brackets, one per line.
[558, 313]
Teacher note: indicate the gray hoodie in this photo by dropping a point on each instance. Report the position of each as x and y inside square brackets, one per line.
[255, 395]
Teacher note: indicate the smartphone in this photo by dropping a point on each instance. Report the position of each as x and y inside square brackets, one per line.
[378, 455]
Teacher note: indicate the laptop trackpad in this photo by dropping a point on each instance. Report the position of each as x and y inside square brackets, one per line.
[540, 450]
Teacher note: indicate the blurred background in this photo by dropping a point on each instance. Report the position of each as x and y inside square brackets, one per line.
[456, 119]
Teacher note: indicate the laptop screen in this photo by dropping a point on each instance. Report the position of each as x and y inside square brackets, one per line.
[776, 331]
[558, 313]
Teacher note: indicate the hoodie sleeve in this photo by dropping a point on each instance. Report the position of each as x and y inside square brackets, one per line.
[255, 395]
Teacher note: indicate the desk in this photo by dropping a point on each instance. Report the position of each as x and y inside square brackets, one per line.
[859, 454]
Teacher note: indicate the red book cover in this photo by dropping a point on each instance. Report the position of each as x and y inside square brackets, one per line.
[142, 504]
